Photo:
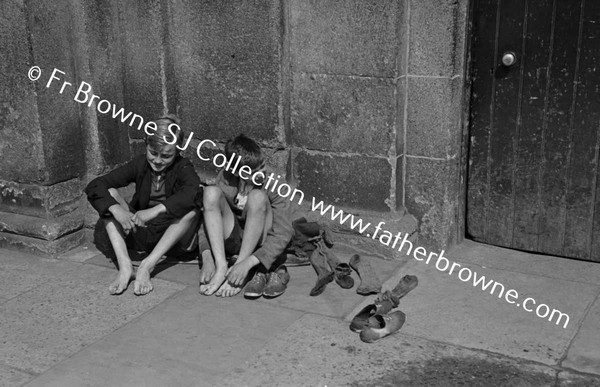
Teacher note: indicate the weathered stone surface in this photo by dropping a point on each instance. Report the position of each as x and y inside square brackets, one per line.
[583, 353]
[354, 37]
[400, 123]
[434, 111]
[22, 157]
[277, 160]
[437, 29]
[432, 197]
[107, 139]
[343, 114]
[354, 181]
[226, 60]
[141, 40]
[400, 182]
[51, 44]
[41, 246]
[40, 201]
[48, 229]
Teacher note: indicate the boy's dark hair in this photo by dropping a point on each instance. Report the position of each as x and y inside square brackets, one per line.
[248, 149]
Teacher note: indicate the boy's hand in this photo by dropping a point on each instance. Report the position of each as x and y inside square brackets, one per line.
[122, 216]
[237, 274]
[141, 217]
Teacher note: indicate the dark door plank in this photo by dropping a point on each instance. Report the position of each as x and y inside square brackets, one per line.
[483, 60]
[504, 124]
[557, 137]
[528, 156]
[581, 203]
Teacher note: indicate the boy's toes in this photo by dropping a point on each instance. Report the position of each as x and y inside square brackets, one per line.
[228, 290]
[120, 284]
[204, 289]
[142, 287]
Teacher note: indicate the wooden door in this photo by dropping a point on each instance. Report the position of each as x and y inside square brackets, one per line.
[534, 126]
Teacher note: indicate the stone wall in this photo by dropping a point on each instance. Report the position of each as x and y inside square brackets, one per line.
[357, 102]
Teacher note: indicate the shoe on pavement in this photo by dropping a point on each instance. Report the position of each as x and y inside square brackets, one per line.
[384, 303]
[382, 326]
[379, 306]
[256, 286]
[342, 276]
[277, 282]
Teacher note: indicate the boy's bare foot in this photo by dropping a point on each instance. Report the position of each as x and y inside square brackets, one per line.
[142, 284]
[208, 269]
[215, 282]
[228, 290]
[121, 283]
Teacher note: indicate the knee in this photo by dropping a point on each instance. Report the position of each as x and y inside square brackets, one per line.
[211, 197]
[258, 201]
[113, 192]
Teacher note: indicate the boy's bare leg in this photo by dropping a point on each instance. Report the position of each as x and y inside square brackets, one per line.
[259, 220]
[208, 268]
[218, 221]
[117, 241]
[125, 275]
[172, 235]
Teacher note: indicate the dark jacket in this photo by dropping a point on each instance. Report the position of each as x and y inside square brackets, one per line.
[181, 186]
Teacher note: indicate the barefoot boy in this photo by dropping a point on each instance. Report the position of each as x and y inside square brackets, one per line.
[241, 218]
[162, 211]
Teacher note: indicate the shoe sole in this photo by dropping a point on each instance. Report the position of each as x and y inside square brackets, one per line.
[273, 295]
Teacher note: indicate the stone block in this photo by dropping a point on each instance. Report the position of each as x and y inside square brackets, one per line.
[108, 139]
[353, 181]
[40, 201]
[432, 197]
[436, 40]
[343, 114]
[277, 160]
[433, 117]
[22, 154]
[42, 247]
[141, 43]
[52, 47]
[47, 229]
[354, 37]
[225, 59]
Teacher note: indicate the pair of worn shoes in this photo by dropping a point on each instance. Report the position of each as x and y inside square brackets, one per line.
[270, 284]
[375, 321]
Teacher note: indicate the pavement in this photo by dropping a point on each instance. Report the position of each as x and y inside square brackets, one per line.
[60, 327]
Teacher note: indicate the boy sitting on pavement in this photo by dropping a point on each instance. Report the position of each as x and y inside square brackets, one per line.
[162, 212]
[244, 221]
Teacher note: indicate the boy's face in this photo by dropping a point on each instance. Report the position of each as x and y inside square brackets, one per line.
[160, 157]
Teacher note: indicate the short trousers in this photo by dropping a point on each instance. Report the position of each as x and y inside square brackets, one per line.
[146, 238]
[232, 243]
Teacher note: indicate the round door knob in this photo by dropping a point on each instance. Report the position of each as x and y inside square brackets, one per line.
[509, 58]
